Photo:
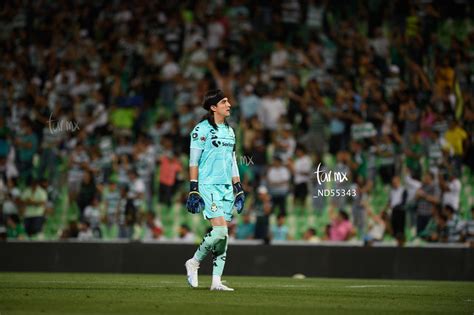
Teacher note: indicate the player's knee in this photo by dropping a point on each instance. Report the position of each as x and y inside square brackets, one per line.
[220, 232]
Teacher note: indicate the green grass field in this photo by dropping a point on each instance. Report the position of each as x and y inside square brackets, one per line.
[64, 293]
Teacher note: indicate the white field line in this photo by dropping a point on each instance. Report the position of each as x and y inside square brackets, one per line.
[382, 286]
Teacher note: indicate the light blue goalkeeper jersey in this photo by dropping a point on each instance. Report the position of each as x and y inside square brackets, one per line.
[215, 164]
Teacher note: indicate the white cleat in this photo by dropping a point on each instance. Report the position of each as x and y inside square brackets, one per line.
[220, 287]
[192, 272]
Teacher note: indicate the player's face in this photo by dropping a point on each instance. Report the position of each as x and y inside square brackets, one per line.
[223, 107]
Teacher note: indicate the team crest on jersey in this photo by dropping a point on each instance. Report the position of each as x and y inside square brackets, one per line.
[214, 207]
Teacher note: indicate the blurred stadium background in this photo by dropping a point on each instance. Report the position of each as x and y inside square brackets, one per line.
[98, 99]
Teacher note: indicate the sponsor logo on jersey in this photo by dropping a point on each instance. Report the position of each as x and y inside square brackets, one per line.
[217, 144]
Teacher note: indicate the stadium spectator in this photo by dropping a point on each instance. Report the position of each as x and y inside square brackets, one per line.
[76, 166]
[122, 166]
[301, 169]
[340, 228]
[15, 230]
[279, 231]
[442, 232]
[87, 191]
[314, 119]
[111, 198]
[310, 235]
[136, 190]
[451, 187]
[413, 153]
[295, 97]
[377, 227]
[4, 141]
[71, 231]
[271, 109]
[153, 227]
[454, 224]
[249, 102]
[27, 144]
[397, 207]
[336, 125]
[427, 197]
[127, 214]
[412, 184]
[245, 229]
[34, 199]
[431, 227]
[342, 167]
[263, 209]
[258, 153]
[386, 153]
[92, 216]
[144, 163]
[278, 182]
[85, 232]
[11, 198]
[170, 167]
[285, 144]
[185, 234]
[469, 233]
[359, 211]
[456, 141]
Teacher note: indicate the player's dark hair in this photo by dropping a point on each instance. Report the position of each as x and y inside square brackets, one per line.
[212, 97]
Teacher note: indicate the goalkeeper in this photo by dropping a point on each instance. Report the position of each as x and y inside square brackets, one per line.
[214, 178]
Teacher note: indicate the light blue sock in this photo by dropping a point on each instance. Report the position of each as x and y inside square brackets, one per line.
[219, 253]
[217, 235]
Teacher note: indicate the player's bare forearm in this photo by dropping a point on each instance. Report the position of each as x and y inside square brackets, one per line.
[193, 173]
[235, 179]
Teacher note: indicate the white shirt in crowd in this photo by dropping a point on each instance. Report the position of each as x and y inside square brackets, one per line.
[93, 216]
[451, 197]
[396, 196]
[215, 33]
[303, 170]
[170, 70]
[270, 111]
[412, 186]
[278, 61]
[278, 180]
[377, 230]
[290, 144]
[137, 187]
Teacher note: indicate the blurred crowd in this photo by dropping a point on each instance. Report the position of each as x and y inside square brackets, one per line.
[97, 100]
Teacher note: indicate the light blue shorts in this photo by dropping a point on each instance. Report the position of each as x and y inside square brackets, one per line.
[219, 200]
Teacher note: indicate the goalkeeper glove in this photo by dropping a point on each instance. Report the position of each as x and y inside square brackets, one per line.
[195, 203]
[239, 197]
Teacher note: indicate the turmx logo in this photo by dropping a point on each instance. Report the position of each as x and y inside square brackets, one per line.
[61, 125]
[245, 160]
